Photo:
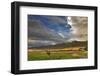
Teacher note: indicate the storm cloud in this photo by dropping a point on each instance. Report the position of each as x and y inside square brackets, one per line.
[80, 28]
[50, 30]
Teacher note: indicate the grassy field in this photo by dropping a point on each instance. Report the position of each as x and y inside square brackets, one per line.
[38, 54]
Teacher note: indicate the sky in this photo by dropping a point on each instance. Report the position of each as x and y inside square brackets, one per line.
[50, 30]
[80, 28]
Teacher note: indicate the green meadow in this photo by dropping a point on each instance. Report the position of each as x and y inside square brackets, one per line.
[55, 55]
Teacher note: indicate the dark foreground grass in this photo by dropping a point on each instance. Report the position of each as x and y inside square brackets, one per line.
[55, 55]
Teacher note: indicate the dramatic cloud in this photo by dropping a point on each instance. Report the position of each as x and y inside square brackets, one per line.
[50, 30]
[80, 27]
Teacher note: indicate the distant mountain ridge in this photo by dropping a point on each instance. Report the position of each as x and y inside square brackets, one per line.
[65, 45]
